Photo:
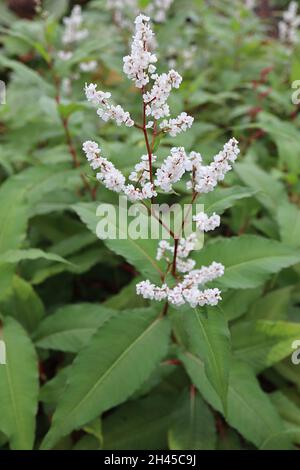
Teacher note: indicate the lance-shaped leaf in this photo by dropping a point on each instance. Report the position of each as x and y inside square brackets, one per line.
[141, 253]
[194, 425]
[250, 410]
[249, 260]
[18, 387]
[120, 357]
[208, 337]
[71, 327]
[262, 343]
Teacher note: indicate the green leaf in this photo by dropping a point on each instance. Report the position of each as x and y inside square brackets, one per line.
[236, 303]
[194, 425]
[28, 74]
[52, 390]
[18, 387]
[209, 338]
[24, 304]
[141, 424]
[13, 216]
[224, 198]
[140, 253]
[287, 409]
[110, 369]
[262, 343]
[288, 217]
[67, 109]
[71, 327]
[249, 408]
[15, 256]
[272, 306]
[269, 191]
[249, 260]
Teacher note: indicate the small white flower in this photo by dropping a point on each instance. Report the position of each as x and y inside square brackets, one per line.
[137, 194]
[141, 173]
[150, 291]
[73, 32]
[288, 26]
[112, 178]
[172, 169]
[137, 64]
[107, 111]
[177, 125]
[205, 223]
[156, 98]
[88, 66]
[65, 55]
[207, 177]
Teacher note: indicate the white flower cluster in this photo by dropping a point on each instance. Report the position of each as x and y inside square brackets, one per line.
[141, 173]
[172, 169]
[185, 246]
[205, 223]
[177, 125]
[156, 98]
[188, 289]
[289, 25]
[89, 66]
[204, 177]
[111, 177]
[137, 194]
[139, 64]
[107, 111]
[73, 32]
[157, 9]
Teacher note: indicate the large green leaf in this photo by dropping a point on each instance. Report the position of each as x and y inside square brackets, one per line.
[236, 303]
[223, 198]
[194, 425]
[18, 387]
[269, 191]
[71, 327]
[13, 216]
[288, 217]
[249, 260]
[119, 357]
[272, 306]
[262, 343]
[15, 256]
[140, 424]
[249, 409]
[141, 253]
[208, 337]
[24, 304]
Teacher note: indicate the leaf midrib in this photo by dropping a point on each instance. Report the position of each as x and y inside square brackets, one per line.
[113, 366]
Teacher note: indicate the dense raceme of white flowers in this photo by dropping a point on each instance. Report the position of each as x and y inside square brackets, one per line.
[146, 182]
[177, 125]
[72, 34]
[205, 223]
[172, 169]
[73, 27]
[111, 177]
[141, 173]
[106, 110]
[288, 27]
[188, 289]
